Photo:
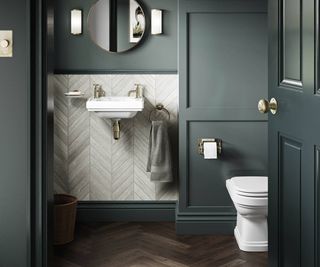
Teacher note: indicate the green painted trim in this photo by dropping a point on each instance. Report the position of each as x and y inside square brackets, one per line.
[134, 211]
[223, 227]
[82, 72]
[30, 201]
[222, 223]
[42, 131]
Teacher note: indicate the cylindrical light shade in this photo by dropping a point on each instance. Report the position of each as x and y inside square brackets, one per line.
[76, 21]
[156, 21]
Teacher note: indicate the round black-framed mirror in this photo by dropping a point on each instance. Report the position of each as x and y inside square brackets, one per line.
[116, 25]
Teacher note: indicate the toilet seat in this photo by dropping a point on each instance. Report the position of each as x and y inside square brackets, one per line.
[249, 191]
[250, 186]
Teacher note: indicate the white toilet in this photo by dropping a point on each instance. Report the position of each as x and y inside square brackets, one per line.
[250, 197]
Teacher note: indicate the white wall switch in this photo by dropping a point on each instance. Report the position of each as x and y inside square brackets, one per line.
[6, 44]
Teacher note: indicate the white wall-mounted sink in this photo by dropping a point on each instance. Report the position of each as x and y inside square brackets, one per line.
[115, 107]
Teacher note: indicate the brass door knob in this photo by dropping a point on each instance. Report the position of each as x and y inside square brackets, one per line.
[264, 106]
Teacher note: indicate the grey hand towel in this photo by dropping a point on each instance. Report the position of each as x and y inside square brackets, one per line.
[159, 158]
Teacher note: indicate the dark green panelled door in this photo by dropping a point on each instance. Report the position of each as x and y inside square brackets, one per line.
[294, 133]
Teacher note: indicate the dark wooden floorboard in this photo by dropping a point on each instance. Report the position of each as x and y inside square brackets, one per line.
[150, 245]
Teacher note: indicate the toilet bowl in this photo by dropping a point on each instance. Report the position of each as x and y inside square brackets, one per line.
[250, 197]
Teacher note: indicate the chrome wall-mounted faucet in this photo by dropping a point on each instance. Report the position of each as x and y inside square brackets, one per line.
[138, 91]
[97, 91]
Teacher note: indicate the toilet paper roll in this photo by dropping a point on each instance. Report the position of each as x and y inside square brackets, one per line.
[210, 150]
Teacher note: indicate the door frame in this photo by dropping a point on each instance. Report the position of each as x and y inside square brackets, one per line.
[41, 128]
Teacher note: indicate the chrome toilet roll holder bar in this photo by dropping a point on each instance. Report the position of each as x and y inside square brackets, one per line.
[201, 142]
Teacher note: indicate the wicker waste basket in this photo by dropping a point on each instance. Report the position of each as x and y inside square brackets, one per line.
[64, 218]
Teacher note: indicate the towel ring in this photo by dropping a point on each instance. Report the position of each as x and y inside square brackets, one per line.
[159, 107]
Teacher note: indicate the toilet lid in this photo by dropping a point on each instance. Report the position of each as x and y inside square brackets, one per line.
[251, 185]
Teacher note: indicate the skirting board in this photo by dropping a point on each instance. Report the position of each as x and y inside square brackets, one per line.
[198, 224]
[126, 211]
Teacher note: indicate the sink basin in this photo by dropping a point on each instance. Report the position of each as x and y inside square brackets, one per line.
[115, 107]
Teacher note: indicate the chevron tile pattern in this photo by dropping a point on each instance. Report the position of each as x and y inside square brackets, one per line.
[167, 94]
[122, 163]
[151, 245]
[88, 162]
[100, 158]
[61, 134]
[79, 140]
[144, 189]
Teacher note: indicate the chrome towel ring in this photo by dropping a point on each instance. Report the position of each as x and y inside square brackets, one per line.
[159, 107]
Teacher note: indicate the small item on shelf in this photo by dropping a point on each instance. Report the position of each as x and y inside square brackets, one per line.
[75, 94]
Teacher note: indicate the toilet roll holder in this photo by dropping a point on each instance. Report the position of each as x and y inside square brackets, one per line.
[201, 142]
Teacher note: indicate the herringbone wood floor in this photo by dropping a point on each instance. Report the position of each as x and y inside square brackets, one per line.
[150, 245]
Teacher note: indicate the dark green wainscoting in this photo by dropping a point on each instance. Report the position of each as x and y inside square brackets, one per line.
[126, 211]
[223, 74]
[79, 55]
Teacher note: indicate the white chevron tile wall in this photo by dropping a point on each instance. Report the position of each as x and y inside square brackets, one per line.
[122, 163]
[61, 134]
[88, 163]
[100, 158]
[143, 188]
[79, 139]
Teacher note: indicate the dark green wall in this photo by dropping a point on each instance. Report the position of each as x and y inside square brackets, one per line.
[14, 139]
[78, 54]
[222, 75]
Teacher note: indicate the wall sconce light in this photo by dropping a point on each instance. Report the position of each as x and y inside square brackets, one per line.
[156, 21]
[76, 21]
